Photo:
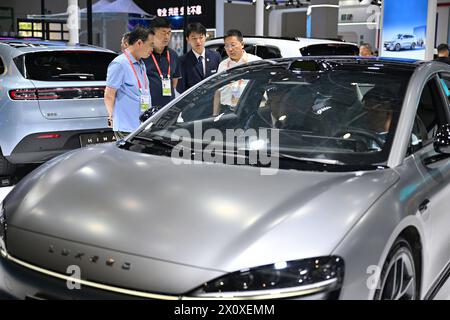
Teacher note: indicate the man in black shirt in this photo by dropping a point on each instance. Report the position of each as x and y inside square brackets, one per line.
[163, 67]
[443, 53]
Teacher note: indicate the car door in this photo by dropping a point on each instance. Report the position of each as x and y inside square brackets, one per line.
[434, 168]
[407, 41]
[2, 66]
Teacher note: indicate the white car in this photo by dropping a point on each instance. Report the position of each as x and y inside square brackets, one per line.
[271, 48]
[402, 41]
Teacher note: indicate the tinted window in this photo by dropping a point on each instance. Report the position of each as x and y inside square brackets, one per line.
[2, 66]
[330, 49]
[250, 48]
[268, 52]
[428, 117]
[220, 49]
[67, 65]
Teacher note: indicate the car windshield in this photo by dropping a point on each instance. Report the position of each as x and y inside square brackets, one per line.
[329, 112]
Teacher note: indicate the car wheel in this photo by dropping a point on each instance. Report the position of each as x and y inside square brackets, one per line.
[6, 168]
[398, 47]
[413, 46]
[399, 280]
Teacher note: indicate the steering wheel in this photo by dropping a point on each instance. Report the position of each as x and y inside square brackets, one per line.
[372, 136]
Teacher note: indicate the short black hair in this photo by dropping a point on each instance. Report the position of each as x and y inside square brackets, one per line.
[139, 33]
[126, 36]
[195, 27]
[160, 22]
[234, 33]
[443, 47]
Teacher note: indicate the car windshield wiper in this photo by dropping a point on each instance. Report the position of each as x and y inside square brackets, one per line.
[159, 140]
[242, 153]
[77, 76]
[331, 162]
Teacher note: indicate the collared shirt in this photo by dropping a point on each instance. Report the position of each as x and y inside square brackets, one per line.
[155, 79]
[203, 60]
[121, 77]
[232, 92]
[228, 63]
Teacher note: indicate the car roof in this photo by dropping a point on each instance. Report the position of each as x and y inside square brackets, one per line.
[303, 42]
[374, 63]
[34, 45]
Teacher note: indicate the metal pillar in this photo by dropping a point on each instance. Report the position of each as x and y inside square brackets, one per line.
[185, 23]
[89, 21]
[259, 25]
[73, 23]
[322, 19]
[42, 7]
[220, 10]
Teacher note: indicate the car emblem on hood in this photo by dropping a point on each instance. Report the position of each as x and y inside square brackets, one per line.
[109, 261]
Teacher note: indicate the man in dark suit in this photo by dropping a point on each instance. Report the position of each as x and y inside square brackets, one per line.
[199, 63]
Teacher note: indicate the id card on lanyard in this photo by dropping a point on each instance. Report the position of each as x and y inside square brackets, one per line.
[166, 84]
[144, 98]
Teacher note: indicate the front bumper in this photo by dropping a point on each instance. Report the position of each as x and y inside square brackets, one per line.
[20, 282]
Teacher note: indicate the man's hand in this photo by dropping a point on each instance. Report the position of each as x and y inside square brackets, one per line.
[110, 99]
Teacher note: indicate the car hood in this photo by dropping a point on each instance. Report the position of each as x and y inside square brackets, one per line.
[215, 216]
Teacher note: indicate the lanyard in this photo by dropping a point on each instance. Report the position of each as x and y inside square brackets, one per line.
[157, 65]
[135, 73]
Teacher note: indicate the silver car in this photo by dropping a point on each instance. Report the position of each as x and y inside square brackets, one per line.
[309, 178]
[402, 41]
[276, 47]
[51, 100]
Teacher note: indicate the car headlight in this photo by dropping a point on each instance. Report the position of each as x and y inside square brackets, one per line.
[2, 230]
[323, 275]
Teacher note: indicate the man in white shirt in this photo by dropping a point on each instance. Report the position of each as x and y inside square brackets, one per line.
[229, 95]
[234, 46]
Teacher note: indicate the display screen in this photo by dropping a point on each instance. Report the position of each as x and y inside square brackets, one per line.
[203, 11]
[404, 29]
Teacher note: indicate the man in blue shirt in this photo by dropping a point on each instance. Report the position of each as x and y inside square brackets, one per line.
[127, 92]
[163, 68]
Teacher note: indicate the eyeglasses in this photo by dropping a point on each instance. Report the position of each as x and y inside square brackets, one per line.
[231, 46]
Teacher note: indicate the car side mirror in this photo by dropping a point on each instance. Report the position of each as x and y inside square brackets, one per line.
[442, 140]
[415, 143]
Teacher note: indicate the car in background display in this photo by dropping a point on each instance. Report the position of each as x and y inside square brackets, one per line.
[357, 190]
[403, 41]
[51, 100]
[272, 48]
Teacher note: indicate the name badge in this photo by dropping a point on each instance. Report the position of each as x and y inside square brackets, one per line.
[144, 102]
[166, 87]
